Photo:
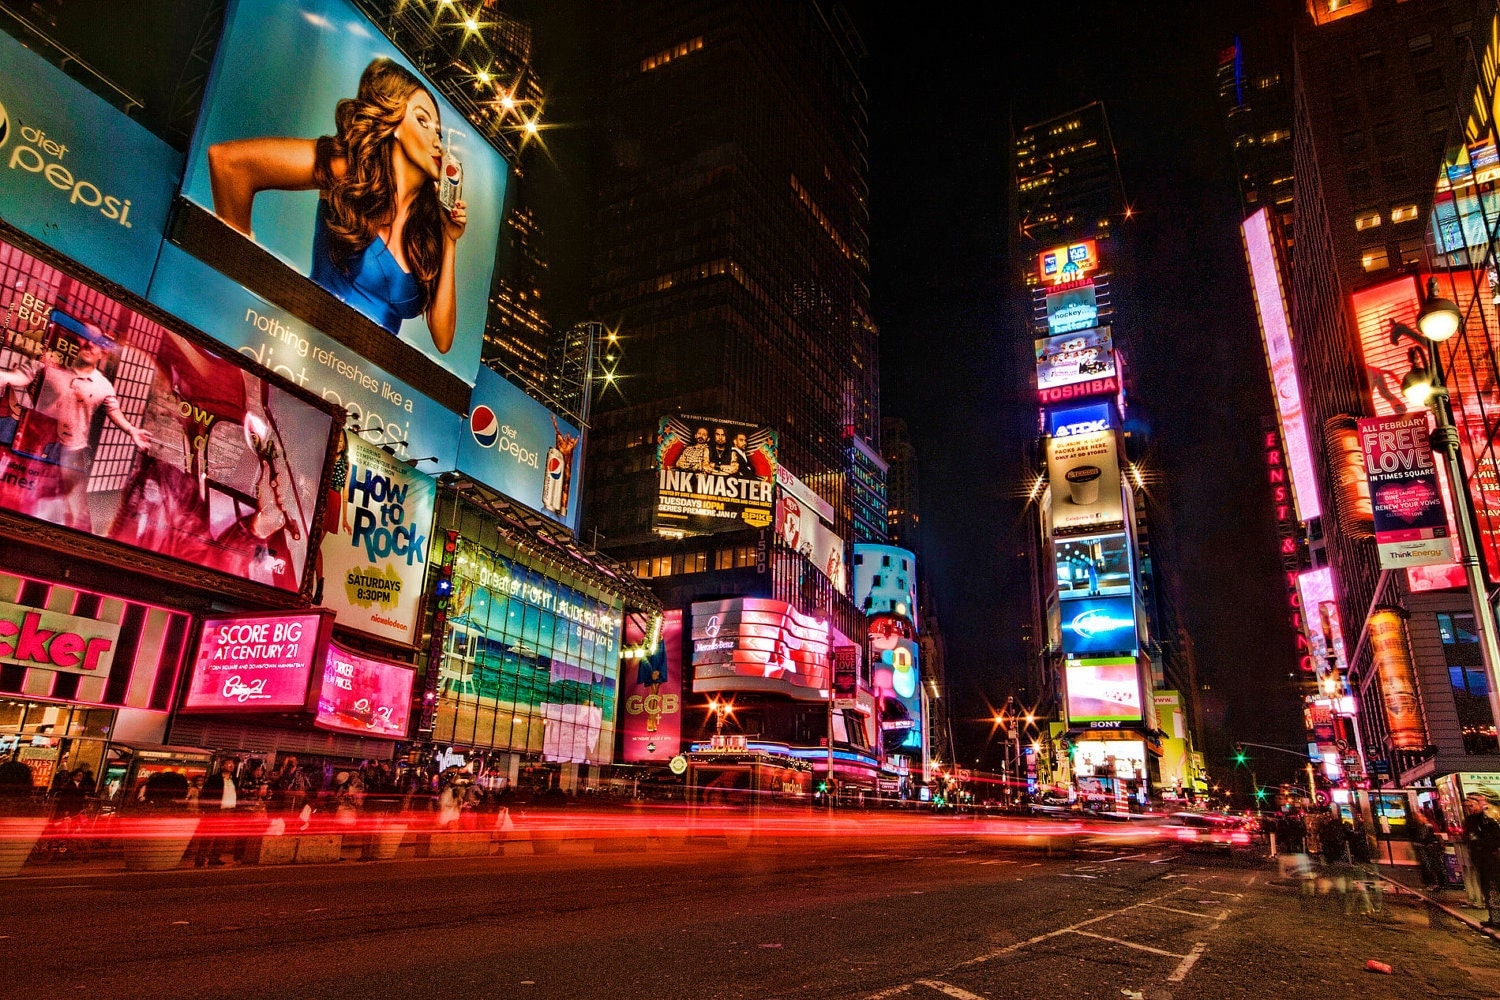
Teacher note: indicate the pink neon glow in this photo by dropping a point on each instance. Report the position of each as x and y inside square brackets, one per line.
[651, 723]
[1270, 303]
[1320, 611]
[361, 695]
[254, 662]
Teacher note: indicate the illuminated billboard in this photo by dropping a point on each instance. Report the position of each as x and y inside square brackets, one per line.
[1084, 472]
[1276, 334]
[119, 428]
[321, 142]
[83, 177]
[1073, 358]
[896, 674]
[759, 644]
[363, 695]
[1320, 612]
[651, 698]
[1390, 652]
[1386, 364]
[256, 662]
[714, 475]
[1070, 309]
[375, 547]
[1103, 690]
[1411, 526]
[1098, 625]
[885, 581]
[801, 526]
[1084, 418]
[1096, 566]
[1066, 264]
[522, 449]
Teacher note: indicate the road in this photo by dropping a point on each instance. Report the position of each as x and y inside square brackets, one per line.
[855, 918]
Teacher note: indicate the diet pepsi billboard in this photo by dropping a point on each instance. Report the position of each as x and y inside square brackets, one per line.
[78, 174]
[518, 446]
[1093, 625]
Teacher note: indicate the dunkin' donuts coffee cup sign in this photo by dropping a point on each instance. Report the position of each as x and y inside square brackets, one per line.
[1084, 470]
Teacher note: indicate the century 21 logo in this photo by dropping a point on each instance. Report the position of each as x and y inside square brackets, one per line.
[35, 153]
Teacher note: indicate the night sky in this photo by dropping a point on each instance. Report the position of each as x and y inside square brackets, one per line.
[942, 99]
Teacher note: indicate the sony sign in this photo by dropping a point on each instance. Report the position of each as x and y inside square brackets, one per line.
[49, 640]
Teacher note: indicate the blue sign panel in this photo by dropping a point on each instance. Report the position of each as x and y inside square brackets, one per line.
[1070, 421]
[522, 449]
[79, 175]
[1093, 625]
[382, 409]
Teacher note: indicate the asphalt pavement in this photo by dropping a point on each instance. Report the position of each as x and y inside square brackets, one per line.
[845, 917]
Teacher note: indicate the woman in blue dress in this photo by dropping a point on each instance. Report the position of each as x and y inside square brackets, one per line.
[382, 242]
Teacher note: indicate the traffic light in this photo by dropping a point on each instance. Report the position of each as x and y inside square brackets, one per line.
[822, 787]
[1239, 755]
[1260, 795]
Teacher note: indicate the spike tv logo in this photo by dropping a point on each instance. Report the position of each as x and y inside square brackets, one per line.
[37, 153]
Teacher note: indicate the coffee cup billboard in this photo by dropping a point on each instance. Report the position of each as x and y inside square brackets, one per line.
[321, 142]
[1084, 471]
[117, 427]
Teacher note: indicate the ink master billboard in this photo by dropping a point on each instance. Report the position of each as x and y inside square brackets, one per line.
[320, 141]
[375, 547]
[117, 427]
[714, 475]
[79, 175]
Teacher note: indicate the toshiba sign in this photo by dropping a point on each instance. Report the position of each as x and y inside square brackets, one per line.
[49, 640]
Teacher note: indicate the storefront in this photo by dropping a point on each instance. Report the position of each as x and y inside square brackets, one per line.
[527, 677]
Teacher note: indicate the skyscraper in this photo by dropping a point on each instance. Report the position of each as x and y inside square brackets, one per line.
[731, 257]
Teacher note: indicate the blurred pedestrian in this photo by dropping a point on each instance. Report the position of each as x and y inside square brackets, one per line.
[218, 800]
[1429, 849]
[1482, 836]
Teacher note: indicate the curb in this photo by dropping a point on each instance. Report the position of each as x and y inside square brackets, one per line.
[1463, 918]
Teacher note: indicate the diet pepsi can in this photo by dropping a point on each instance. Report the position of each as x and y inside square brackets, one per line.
[451, 183]
[553, 498]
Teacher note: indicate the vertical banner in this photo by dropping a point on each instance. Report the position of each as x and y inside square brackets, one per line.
[1391, 654]
[374, 551]
[651, 723]
[1411, 526]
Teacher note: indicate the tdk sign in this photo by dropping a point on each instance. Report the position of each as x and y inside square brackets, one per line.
[1075, 420]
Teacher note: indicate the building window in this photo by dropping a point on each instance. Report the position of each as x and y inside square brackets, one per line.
[1419, 44]
[724, 559]
[1393, 171]
[1361, 187]
[1352, 142]
[675, 52]
[1403, 213]
[1429, 81]
[1412, 250]
[1375, 259]
[1366, 220]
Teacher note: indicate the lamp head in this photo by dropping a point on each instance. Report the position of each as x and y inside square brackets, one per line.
[1416, 388]
[1439, 318]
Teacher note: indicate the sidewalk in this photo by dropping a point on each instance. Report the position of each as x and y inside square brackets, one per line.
[1452, 901]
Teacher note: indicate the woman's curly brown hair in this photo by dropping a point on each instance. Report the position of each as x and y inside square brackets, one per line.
[363, 201]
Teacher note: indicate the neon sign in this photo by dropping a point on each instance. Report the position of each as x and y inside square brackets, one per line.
[1065, 264]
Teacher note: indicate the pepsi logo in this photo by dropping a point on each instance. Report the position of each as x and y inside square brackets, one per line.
[485, 426]
[4, 125]
[554, 464]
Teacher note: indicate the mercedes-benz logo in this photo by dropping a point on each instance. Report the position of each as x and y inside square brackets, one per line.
[712, 628]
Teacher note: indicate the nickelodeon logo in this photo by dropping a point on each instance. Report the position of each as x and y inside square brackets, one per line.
[38, 154]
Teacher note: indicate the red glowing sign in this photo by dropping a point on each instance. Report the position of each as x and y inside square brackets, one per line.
[651, 720]
[363, 695]
[1080, 390]
[754, 643]
[249, 663]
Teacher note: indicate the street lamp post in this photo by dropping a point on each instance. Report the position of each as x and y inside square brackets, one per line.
[1425, 385]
